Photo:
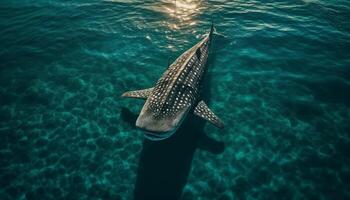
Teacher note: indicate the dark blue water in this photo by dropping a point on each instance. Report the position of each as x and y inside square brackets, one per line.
[279, 77]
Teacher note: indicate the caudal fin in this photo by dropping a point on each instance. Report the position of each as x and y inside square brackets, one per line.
[214, 32]
[212, 28]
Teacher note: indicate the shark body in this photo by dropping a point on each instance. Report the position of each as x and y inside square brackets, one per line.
[176, 94]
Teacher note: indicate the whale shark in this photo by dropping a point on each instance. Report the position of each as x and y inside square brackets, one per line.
[176, 94]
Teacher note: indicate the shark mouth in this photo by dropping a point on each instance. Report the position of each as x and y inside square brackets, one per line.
[156, 137]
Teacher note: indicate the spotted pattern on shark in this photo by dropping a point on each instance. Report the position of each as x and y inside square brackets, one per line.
[185, 90]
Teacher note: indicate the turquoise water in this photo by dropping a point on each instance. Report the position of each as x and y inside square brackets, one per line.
[278, 77]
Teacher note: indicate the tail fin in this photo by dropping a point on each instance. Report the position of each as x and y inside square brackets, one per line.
[212, 28]
[213, 31]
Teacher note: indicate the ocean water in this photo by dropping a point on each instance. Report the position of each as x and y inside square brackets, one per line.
[278, 76]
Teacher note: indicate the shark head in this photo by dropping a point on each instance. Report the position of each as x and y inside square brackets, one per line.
[157, 127]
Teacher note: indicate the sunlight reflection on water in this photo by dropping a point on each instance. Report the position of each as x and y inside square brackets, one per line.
[182, 12]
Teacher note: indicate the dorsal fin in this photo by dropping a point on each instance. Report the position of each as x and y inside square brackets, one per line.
[198, 53]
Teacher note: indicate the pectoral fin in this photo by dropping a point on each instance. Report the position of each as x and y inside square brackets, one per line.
[140, 94]
[203, 111]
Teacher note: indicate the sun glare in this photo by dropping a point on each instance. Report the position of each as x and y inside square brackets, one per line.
[178, 14]
[183, 11]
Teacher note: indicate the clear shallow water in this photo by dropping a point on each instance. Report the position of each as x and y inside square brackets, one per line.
[279, 79]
